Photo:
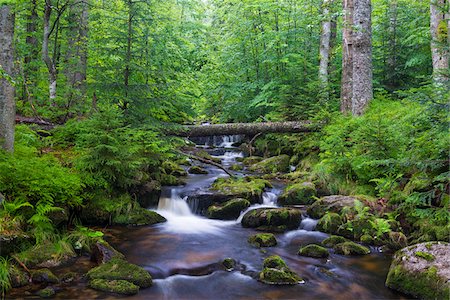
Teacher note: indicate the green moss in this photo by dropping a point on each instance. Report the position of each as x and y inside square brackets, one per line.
[251, 160]
[246, 187]
[262, 240]
[117, 269]
[138, 216]
[114, 286]
[170, 180]
[229, 264]
[197, 170]
[425, 255]
[329, 223]
[333, 240]
[272, 219]
[366, 239]
[43, 276]
[298, 194]
[351, 248]
[275, 271]
[230, 210]
[17, 276]
[272, 165]
[313, 250]
[172, 168]
[206, 155]
[425, 285]
[46, 293]
[47, 254]
[237, 167]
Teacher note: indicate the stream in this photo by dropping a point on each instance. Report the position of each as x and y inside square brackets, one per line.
[183, 254]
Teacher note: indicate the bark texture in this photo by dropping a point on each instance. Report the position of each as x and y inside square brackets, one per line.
[245, 128]
[7, 104]
[325, 46]
[347, 58]
[52, 72]
[439, 27]
[362, 57]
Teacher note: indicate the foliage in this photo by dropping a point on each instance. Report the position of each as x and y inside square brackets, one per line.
[5, 283]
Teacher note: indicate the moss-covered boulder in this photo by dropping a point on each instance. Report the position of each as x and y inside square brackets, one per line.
[229, 210]
[171, 180]
[48, 292]
[102, 252]
[47, 255]
[333, 240]
[271, 165]
[298, 194]
[197, 170]
[262, 240]
[118, 269]
[367, 239]
[251, 160]
[122, 287]
[249, 188]
[329, 223]
[333, 203]
[172, 168]
[351, 248]
[313, 250]
[18, 277]
[138, 216]
[275, 271]
[43, 276]
[272, 219]
[207, 156]
[422, 270]
[396, 240]
[237, 167]
[229, 264]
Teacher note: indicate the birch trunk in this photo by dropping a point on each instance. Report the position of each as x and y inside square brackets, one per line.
[325, 46]
[362, 57]
[347, 58]
[439, 40]
[7, 104]
[52, 72]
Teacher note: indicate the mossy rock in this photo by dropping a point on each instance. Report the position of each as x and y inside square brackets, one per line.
[297, 176]
[333, 203]
[206, 155]
[172, 168]
[351, 248]
[251, 160]
[197, 170]
[122, 287]
[48, 292]
[298, 194]
[367, 239]
[229, 210]
[68, 277]
[18, 277]
[329, 223]
[272, 219]
[262, 240]
[271, 165]
[313, 250]
[237, 167]
[396, 240]
[171, 180]
[333, 240]
[249, 188]
[138, 216]
[102, 252]
[43, 276]
[118, 269]
[275, 271]
[229, 264]
[421, 270]
[46, 255]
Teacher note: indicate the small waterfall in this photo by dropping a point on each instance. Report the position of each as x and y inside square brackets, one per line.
[223, 141]
[229, 140]
[308, 224]
[229, 157]
[269, 198]
[175, 204]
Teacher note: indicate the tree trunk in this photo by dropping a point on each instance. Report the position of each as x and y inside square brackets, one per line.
[77, 51]
[392, 58]
[52, 72]
[362, 57]
[347, 58]
[325, 46]
[244, 128]
[7, 104]
[439, 40]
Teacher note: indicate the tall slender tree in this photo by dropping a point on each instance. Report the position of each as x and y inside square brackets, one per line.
[7, 104]
[439, 28]
[325, 48]
[347, 58]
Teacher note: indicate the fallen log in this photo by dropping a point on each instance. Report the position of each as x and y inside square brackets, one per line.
[249, 129]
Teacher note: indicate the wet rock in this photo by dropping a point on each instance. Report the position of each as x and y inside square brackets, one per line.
[47, 292]
[275, 271]
[333, 203]
[367, 239]
[172, 168]
[272, 219]
[69, 277]
[333, 240]
[206, 155]
[18, 277]
[351, 248]
[422, 270]
[396, 240]
[271, 165]
[10, 242]
[313, 250]
[138, 216]
[229, 210]
[46, 255]
[229, 264]
[118, 269]
[102, 252]
[59, 217]
[329, 223]
[197, 170]
[148, 193]
[43, 276]
[251, 160]
[171, 180]
[249, 188]
[262, 240]
[298, 194]
[122, 287]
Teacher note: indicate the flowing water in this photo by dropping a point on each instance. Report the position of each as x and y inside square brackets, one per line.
[184, 254]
